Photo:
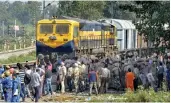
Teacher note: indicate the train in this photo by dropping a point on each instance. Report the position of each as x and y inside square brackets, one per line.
[74, 36]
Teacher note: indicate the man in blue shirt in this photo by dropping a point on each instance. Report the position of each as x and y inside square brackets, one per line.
[1, 88]
[168, 77]
[16, 87]
[93, 80]
[7, 86]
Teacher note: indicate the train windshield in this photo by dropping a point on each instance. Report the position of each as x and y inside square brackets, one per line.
[46, 28]
[62, 28]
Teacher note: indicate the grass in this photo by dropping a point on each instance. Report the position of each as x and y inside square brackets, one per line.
[21, 58]
[139, 96]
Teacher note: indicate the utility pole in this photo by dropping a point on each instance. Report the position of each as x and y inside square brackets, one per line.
[15, 45]
[43, 9]
[3, 27]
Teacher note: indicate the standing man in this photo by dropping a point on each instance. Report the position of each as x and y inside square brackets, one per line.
[129, 78]
[69, 77]
[1, 88]
[160, 75]
[16, 87]
[93, 80]
[76, 75]
[42, 75]
[7, 86]
[105, 76]
[62, 74]
[168, 77]
[35, 83]
[48, 79]
[22, 75]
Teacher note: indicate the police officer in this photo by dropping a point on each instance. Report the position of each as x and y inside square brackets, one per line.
[76, 74]
[7, 86]
[16, 87]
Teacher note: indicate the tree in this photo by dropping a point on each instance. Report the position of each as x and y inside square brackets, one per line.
[82, 9]
[152, 16]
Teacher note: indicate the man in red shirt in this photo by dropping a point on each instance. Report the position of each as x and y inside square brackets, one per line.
[129, 78]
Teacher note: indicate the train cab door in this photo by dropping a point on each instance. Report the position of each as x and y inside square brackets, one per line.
[76, 37]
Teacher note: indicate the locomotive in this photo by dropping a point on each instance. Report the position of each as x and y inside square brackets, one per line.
[74, 36]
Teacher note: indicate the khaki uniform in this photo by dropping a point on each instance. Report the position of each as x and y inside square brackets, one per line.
[76, 74]
[62, 74]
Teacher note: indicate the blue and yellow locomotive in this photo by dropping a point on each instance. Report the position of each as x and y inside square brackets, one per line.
[71, 35]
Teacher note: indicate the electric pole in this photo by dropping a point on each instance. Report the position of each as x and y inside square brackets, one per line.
[43, 9]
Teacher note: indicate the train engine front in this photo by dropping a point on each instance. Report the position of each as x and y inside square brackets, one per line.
[55, 36]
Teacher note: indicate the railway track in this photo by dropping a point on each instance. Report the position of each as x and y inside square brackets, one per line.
[6, 55]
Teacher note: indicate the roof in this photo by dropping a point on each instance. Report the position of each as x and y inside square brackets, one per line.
[57, 20]
[120, 24]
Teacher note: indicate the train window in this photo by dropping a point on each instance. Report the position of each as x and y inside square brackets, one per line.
[75, 32]
[62, 28]
[46, 28]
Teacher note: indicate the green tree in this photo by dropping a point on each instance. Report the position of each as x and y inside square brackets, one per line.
[82, 9]
[152, 16]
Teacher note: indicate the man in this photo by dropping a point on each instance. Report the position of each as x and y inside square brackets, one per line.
[69, 77]
[7, 86]
[1, 88]
[160, 75]
[48, 78]
[93, 80]
[62, 74]
[42, 74]
[150, 75]
[27, 79]
[76, 74]
[35, 83]
[22, 75]
[129, 78]
[168, 77]
[105, 76]
[136, 72]
[82, 76]
[16, 87]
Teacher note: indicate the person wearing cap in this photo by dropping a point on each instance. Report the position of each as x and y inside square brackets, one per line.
[1, 88]
[16, 87]
[62, 73]
[76, 74]
[7, 86]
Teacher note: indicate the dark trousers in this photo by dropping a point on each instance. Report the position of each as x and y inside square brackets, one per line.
[135, 84]
[103, 87]
[58, 87]
[69, 83]
[168, 85]
[160, 80]
[22, 92]
[36, 93]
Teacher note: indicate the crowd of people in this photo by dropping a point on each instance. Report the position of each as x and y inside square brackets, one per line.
[79, 75]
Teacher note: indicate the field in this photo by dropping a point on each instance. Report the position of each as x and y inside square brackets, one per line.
[139, 96]
[22, 58]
